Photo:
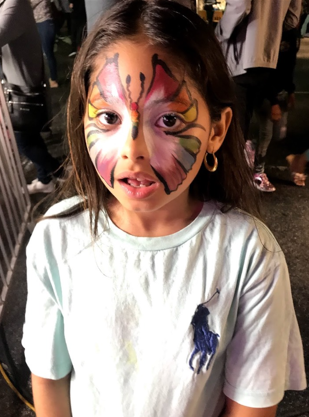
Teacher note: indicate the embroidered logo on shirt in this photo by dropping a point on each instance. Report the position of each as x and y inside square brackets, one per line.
[205, 341]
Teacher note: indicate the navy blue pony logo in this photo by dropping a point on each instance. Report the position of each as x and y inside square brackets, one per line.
[205, 341]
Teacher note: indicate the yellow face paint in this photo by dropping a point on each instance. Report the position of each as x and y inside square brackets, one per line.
[191, 114]
[92, 111]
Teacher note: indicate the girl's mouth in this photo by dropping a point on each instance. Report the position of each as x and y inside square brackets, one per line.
[137, 183]
[138, 187]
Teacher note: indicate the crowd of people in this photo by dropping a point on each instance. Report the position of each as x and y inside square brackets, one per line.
[155, 289]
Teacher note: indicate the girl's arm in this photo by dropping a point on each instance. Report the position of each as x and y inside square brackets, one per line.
[51, 398]
[233, 409]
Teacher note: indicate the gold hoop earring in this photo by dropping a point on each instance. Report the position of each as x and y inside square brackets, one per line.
[215, 165]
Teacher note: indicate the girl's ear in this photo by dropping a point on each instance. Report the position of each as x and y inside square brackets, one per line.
[219, 130]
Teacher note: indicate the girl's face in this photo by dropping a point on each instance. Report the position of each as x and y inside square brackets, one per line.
[147, 129]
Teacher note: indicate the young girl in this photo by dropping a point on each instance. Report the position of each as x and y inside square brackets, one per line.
[155, 292]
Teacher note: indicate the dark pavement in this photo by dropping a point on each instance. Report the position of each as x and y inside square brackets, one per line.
[285, 211]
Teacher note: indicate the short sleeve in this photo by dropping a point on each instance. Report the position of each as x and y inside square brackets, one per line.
[43, 338]
[265, 356]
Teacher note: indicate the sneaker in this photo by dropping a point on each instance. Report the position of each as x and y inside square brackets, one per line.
[250, 153]
[38, 187]
[262, 183]
[72, 54]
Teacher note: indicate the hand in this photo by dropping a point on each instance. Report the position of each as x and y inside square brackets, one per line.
[291, 101]
[275, 113]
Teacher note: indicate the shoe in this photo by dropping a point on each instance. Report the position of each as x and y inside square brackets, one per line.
[297, 165]
[299, 179]
[262, 183]
[72, 54]
[250, 153]
[38, 187]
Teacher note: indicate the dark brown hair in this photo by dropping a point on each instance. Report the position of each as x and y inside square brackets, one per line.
[191, 43]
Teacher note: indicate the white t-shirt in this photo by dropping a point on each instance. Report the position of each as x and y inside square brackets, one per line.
[117, 312]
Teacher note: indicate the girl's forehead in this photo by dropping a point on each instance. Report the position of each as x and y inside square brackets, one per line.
[134, 58]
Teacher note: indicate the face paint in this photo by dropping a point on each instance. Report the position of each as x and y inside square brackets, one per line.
[173, 151]
[172, 148]
[107, 90]
[134, 106]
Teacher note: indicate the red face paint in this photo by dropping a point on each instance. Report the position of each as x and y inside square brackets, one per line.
[107, 90]
[174, 151]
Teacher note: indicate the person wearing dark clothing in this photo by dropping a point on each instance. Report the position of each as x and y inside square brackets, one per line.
[272, 114]
[250, 34]
[43, 17]
[78, 24]
[23, 67]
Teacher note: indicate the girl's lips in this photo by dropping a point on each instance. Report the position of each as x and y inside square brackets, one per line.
[138, 192]
[139, 176]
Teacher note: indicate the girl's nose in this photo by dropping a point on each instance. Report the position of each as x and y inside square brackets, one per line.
[135, 149]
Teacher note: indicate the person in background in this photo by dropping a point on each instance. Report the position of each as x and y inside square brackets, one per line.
[272, 114]
[250, 34]
[23, 66]
[95, 9]
[303, 21]
[78, 24]
[43, 17]
[61, 12]
[297, 164]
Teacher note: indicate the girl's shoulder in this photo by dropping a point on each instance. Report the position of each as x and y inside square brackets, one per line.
[63, 231]
[63, 206]
[239, 226]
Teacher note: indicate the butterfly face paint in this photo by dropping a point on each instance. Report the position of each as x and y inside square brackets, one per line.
[107, 90]
[174, 150]
[165, 118]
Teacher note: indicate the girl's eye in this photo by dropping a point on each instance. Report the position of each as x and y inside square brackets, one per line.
[108, 118]
[169, 120]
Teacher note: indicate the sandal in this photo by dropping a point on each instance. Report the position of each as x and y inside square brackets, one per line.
[299, 179]
[297, 164]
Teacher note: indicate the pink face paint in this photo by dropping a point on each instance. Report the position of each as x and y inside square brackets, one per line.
[173, 152]
[106, 91]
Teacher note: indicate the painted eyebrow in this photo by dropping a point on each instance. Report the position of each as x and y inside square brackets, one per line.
[166, 100]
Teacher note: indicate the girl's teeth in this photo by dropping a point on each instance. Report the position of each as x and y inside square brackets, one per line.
[138, 183]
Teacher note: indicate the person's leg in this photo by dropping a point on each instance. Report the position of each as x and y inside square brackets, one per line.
[280, 127]
[243, 91]
[260, 179]
[33, 147]
[47, 33]
[265, 135]
[297, 165]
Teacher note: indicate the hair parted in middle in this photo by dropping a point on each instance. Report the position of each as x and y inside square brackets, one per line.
[190, 42]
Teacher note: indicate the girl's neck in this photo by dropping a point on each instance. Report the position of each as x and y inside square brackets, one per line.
[163, 222]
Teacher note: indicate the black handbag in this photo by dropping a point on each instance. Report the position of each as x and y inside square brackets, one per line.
[27, 106]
